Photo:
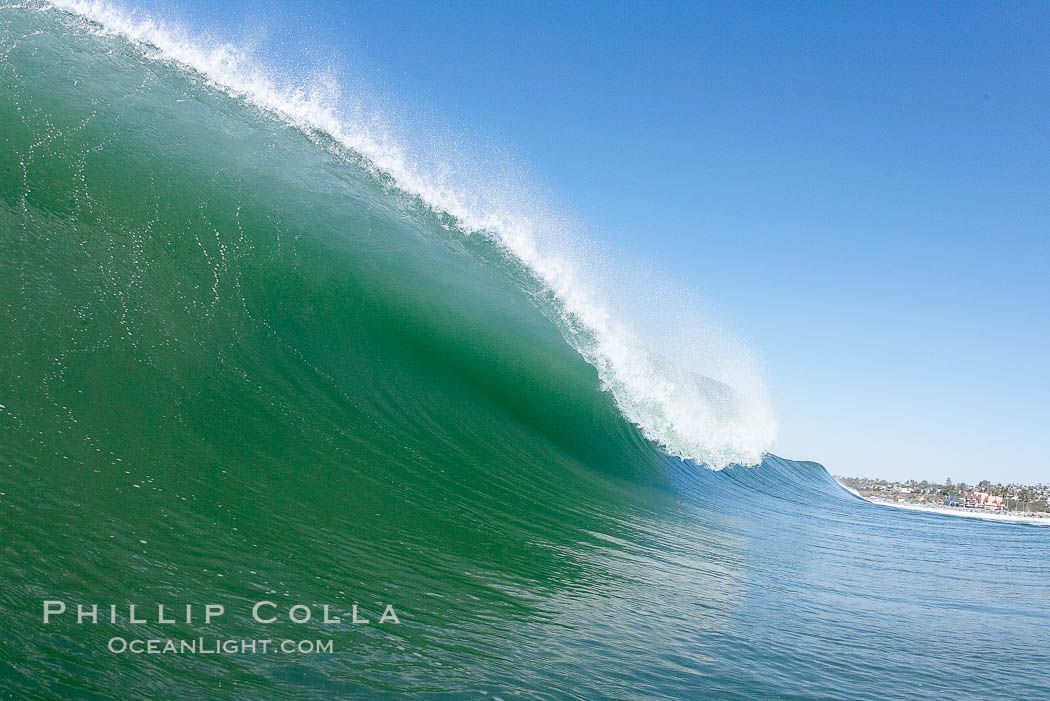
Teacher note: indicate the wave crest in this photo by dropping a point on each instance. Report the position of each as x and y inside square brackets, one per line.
[708, 404]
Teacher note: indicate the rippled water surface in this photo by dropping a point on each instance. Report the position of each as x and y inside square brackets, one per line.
[237, 366]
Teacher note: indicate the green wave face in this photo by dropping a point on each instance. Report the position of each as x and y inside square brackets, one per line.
[238, 366]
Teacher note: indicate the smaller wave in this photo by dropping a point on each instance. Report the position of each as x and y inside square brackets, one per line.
[963, 513]
[677, 405]
[850, 489]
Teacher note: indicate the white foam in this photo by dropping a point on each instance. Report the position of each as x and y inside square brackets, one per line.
[960, 512]
[663, 392]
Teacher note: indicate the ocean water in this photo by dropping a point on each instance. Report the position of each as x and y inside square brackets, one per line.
[245, 355]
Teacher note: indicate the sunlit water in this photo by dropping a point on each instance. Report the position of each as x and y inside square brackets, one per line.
[239, 365]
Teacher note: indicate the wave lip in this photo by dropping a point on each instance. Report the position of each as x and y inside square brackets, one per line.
[687, 413]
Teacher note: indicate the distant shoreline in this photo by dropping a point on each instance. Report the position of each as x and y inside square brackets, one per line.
[957, 511]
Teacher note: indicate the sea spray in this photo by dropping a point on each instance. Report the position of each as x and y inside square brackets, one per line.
[691, 407]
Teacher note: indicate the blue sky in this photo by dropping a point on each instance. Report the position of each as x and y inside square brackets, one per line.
[861, 189]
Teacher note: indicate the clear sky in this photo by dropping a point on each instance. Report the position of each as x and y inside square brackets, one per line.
[861, 189]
